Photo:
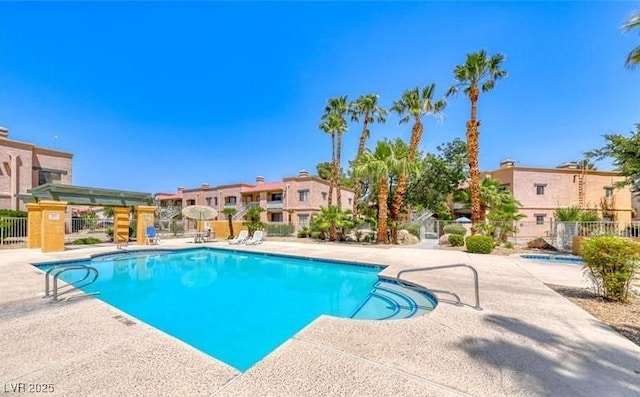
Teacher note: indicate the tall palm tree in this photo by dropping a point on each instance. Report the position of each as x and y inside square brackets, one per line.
[336, 108]
[412, 105]
[366, 107]
[479, 72]
[335, 125]
[633, 59]
[378, 167]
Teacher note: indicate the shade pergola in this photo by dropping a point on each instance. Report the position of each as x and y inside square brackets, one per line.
[83, 195]
[46, 205]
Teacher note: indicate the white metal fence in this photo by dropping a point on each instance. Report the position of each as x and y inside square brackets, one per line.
[13, 232]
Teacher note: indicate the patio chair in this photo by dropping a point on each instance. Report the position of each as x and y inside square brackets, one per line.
[152, 235]
[207, 235]
[240, 238]
[256, 239]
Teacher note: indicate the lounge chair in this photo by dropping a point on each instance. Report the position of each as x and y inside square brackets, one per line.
[240, 238]
[152, 235]
[256, 239]
[206, 236]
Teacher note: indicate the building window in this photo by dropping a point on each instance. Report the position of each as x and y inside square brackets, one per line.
[215, 201]
[276, 197]
[230, 200]
[540, 188]
[608, 192]
[276, 217]
[303, 195]
[191, 202]
[303, 219]
[324, 196]
[350, 200]
[49, 177]
[540, 218]
[208, 200]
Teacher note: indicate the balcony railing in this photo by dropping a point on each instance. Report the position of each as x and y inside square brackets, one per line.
[273, 205]
[230, 205]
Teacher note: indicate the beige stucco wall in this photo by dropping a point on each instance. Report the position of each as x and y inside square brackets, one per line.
[561, 190]
[16, 177]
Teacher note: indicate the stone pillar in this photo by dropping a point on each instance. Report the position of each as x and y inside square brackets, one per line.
[52, 225]
[146, 217]
[121, 225]
[34, 225]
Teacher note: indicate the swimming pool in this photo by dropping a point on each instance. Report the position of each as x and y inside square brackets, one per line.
[566, 259]
[238, 306]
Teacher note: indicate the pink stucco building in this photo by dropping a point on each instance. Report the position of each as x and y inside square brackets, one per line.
[542, 190]
[24, 166]
[293, 199]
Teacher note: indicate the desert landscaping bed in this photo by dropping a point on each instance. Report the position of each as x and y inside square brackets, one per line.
[623, 317]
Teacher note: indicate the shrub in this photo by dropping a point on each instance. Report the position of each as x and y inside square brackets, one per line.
[175, 228]
[456, 240]
[413, 228]
[611, 263]
[508, 245]
[478, 244]
[358, 234]
[304, 232]
[86, 241]
[455, 229]
[366, 238]
[315, 234]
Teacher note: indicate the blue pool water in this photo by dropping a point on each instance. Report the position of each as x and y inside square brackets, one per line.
[572, 260]
[235, 306]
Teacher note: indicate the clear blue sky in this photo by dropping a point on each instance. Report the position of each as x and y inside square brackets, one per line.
[150, 96]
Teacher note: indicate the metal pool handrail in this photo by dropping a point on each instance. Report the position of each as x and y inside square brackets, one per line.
[58, 270]
[406, 283]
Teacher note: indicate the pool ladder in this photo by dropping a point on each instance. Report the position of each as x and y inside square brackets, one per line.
[458, 302]
[90, 276]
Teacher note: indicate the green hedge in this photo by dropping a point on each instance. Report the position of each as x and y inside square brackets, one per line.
[611, 263]
[455, 229]
[273, 229]
[478, 244]
[12, 214]
[86, 241]
[456, 240]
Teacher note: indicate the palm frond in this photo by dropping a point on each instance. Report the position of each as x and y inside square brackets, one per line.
[633, 59]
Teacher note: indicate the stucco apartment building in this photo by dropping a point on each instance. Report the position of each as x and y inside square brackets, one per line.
[24, 166]
[542, 190]
[293, 199]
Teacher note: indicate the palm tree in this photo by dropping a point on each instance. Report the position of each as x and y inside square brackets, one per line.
[378, 167]
[366, 108]
[412, 105]
[477, 73]
[230, 212]
[336, 109]
[633, 59]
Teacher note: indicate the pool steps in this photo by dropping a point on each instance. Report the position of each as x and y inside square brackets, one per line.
[390, 301]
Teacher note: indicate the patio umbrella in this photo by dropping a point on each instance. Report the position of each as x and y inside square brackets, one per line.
[199, 212]
[463, 219]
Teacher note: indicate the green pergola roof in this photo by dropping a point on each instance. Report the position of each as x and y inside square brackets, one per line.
[82, 195]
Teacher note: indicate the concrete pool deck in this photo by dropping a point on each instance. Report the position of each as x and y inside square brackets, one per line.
[527, 341]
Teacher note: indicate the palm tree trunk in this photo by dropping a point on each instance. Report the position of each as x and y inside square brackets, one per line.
[229, 217]
[383, 193]
[358, 189]
[472, 157]
[333, 165]
[398, 198]
[338, 173]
